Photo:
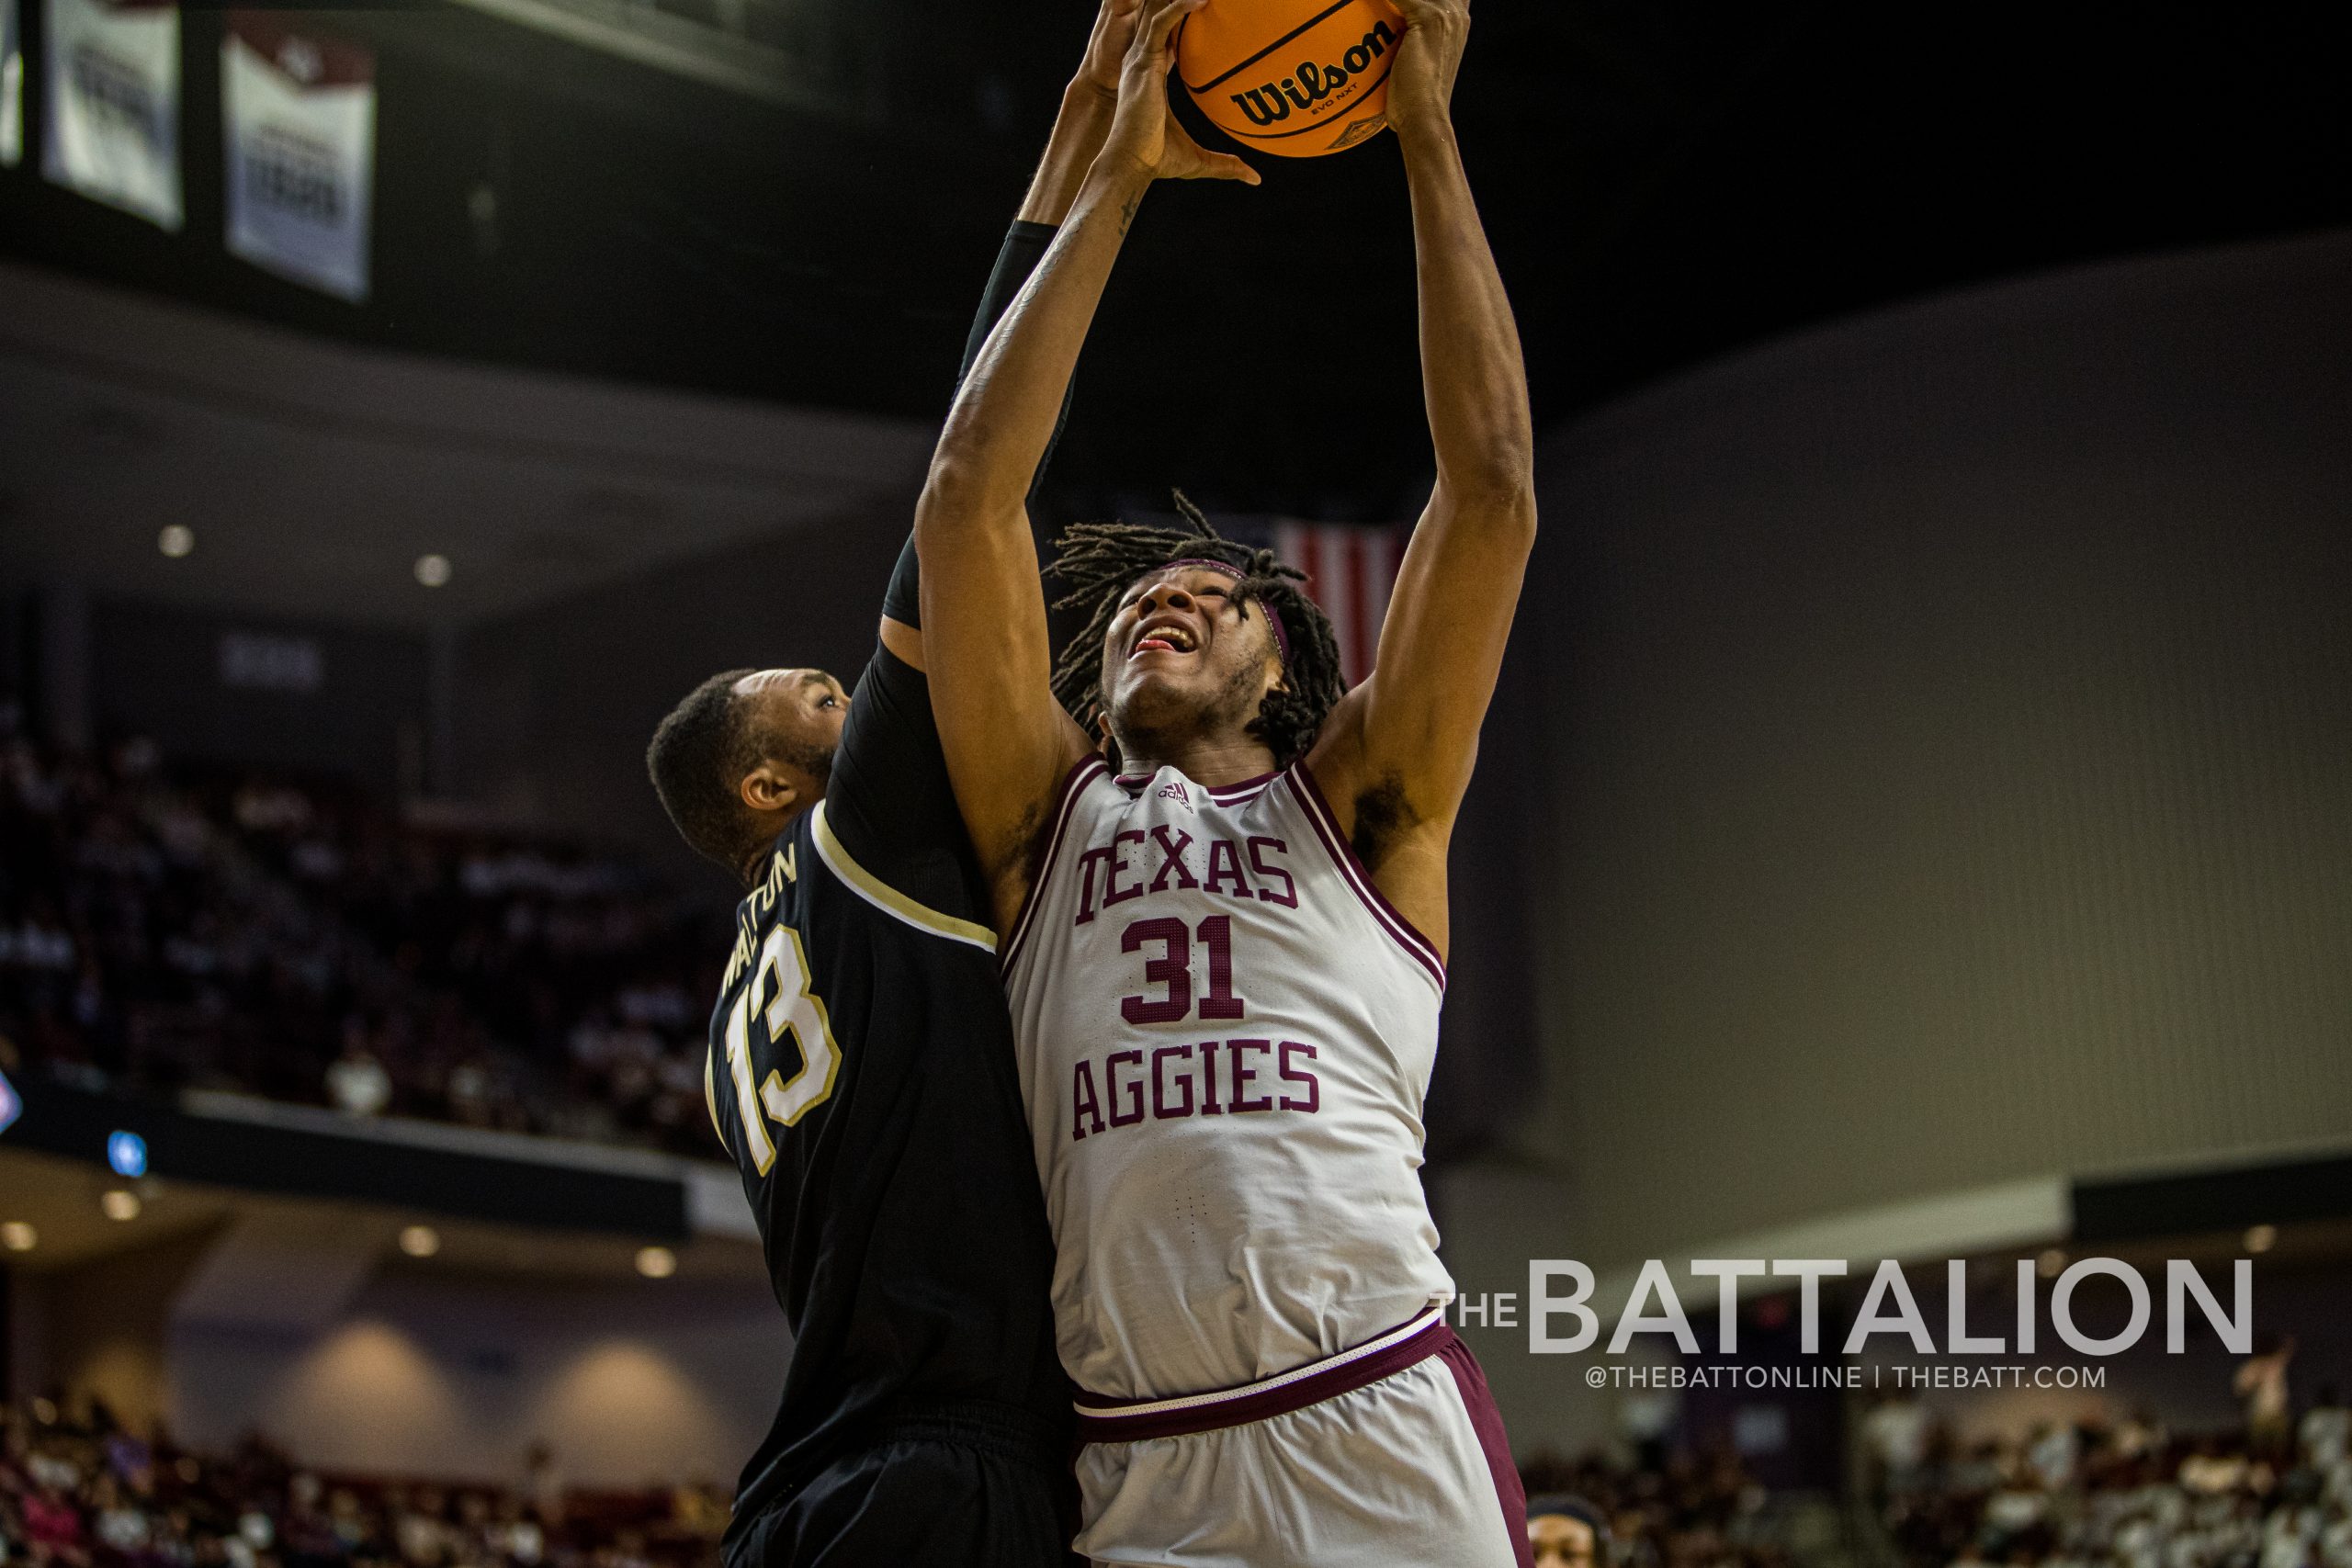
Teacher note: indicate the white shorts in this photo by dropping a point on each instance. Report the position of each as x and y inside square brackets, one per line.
[1409, 1471]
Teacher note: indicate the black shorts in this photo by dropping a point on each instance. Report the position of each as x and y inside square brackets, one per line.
[949, 1490]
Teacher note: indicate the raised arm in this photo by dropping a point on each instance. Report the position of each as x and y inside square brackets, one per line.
[1080, 127]
[1395, 758]
[1008, 742]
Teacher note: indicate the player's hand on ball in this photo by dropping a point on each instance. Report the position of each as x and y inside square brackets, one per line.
[1106, 46]
[1420, 89]
[1145, 136]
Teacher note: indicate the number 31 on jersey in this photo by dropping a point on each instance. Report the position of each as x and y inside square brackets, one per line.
[781, 980]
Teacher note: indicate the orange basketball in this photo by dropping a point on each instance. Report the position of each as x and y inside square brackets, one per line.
[1299, 78]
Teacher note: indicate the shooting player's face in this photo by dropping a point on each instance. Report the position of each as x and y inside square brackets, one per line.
[1182, 654]
[797, 717]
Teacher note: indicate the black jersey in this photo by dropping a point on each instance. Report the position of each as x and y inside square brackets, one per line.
[861, 1072]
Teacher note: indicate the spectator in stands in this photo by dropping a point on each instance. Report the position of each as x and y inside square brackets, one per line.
[2050, 1455]
[358, 1084]
[2262, 1384]
[543, 1478]
[1895, 1436]
[1679, 1514]
[2326, 1432]
[1566, 1532]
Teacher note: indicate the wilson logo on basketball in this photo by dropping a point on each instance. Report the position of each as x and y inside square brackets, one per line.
[1309, 84]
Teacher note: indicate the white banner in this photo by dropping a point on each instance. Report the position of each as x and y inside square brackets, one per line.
[12, 87]
[298, 115]
[114, 104]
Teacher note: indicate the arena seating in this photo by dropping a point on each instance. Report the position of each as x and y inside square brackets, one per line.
[2127, 1495]
[77, 1491]
[164, 928]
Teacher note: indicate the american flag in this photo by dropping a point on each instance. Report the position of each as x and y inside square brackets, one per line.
[1350, 571]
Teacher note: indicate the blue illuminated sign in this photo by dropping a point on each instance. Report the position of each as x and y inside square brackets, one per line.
[126, 1153]
[10, 1106]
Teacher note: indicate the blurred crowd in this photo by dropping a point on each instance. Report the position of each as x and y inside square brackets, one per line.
[2273, 1493]
[163, 928]
[2129, 1494]
[81, 1491]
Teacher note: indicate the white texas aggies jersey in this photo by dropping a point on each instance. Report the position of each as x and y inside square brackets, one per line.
[1224, 1035]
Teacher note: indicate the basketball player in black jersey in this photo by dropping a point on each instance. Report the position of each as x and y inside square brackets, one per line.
[860, 1072]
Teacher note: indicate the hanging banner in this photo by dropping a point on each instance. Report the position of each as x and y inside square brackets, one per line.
[12, 87]
[299, 114]
[114, 104]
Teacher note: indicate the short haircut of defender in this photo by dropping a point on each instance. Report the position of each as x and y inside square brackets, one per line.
[698, 756]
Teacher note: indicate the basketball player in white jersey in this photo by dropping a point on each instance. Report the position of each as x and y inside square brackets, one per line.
[1220, 887]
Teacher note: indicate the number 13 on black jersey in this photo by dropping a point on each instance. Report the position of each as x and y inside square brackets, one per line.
[780, 996]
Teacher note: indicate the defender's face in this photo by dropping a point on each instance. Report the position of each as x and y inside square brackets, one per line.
[1182, 651]
[797, 713]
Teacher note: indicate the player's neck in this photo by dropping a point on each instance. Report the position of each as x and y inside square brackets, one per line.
[1211, 760]
[761, 847]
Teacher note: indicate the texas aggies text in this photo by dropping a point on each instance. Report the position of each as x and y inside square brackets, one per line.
[1238, 1012]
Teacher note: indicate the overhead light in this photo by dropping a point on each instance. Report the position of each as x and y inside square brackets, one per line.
[419, 1241]
[2051, 1263]
[2261, 1239]
[656, 1262]
[433, 571]
[18, 1237]
[119, 1203]
[177, 539]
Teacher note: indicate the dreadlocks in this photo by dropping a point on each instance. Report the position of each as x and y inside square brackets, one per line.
[1097, 561]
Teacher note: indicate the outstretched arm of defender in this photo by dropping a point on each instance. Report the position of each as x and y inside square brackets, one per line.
[1080, 127]
[1395, 756]
[1008, 742]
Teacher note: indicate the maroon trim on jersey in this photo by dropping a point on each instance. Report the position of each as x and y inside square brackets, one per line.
[1225, 794]
[1488, 1421]
[1240, 1406]
[1214, 792]
[1326, 827]
[1082, 773]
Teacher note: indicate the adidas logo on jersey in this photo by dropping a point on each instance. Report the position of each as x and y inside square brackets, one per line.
[1174, 790]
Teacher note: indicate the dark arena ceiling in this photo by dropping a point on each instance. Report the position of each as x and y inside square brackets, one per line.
[1662, 184]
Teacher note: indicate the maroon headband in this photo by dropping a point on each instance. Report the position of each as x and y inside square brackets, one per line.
[1273, 617]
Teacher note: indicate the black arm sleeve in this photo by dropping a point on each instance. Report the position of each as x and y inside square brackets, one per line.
[889, 801]
[1024, 247]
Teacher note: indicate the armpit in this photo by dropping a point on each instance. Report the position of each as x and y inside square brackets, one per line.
[1384, 814]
